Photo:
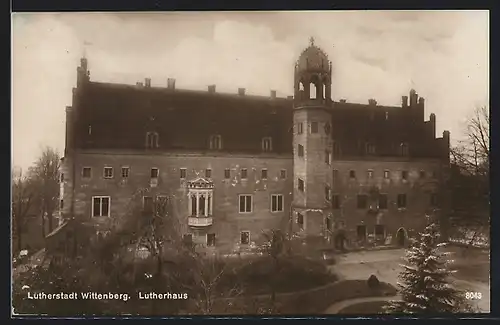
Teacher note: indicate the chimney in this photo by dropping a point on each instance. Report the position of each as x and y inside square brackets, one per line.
[171, 83]
[413, 97]
[211, 89]
[139, 84]
[432, 119]
[404, 100]
[147, 82]
[273, 94]
[343, 101]
[241, 91]
[372, 102]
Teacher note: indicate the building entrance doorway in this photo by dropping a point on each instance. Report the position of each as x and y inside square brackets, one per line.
[401, 237]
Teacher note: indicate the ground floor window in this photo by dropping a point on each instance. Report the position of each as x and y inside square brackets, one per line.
[245, 237]
[210, 240]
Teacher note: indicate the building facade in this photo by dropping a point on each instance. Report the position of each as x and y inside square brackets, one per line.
[233, 165]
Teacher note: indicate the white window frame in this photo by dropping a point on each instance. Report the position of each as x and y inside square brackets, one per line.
[311, 127]
[249, 237]
[251, 203]
[278, 207]
[127, 168]
[90, 174]
[100, 209]
[108, 168]
[267, 144]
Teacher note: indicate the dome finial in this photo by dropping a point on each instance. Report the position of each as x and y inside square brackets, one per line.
[311, 41]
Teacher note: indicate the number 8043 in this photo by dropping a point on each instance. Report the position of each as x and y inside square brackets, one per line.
[471, 295]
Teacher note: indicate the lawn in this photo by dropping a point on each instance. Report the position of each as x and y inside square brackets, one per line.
[473, 272]
[365, 308]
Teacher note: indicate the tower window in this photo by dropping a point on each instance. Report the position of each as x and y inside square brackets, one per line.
[300, 185]
[300, 150]
[267, 144]
[314, 127]
[300, 128]
[215, 142]
[152, 140]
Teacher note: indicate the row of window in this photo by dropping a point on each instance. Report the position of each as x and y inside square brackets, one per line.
[214, 142]
[382, 201]
[370, 149]
[101, 204]
[108, 172]
[211, 239]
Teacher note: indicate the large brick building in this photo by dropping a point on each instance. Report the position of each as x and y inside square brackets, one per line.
[236, 165]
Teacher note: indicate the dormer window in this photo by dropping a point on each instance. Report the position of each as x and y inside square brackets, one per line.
[215, 142]
[267, 144]
[152, 140]
[370, 149]
[404, 149]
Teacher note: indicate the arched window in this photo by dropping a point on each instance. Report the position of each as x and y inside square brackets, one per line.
[152, 140]
[215, 142]
[313, 92]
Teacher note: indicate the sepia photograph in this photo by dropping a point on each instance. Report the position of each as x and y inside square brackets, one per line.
[267, 163]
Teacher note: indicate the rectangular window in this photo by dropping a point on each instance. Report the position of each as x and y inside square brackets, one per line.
[215, 142]
[434, 200]
[147, 204]
[210, 240]
[263, 174]
[328, 157]
[386, 174]
[300, 220]
[154, 173]
[370, 174]
[61, 178]
[245, 237]
[244, 173]
[336, 201]
[352, 174]
[100, 206]
[300, 128]
[86, 172]
[283, 174]
[404, 175]
[362, 201]
[125, 172]
[402, 201]
[314, 127]
[301, 185]
[61, 204]
[108, 172]
[277, 203]
[227, 173]
[245, 203]
[328, 193]
[328, 223]
[183, 173]
[382, 201]
[208, 173]
[300, 150]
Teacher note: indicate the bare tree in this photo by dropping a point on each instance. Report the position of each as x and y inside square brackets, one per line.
[469, 180]
[22, 202]
[45, 175]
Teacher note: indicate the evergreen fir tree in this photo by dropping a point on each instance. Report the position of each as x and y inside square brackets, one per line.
[424, 284]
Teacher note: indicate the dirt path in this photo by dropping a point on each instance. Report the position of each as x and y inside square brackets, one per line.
[335, 308]
[385, 264]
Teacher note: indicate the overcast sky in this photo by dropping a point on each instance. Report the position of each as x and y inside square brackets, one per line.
[444, 56]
